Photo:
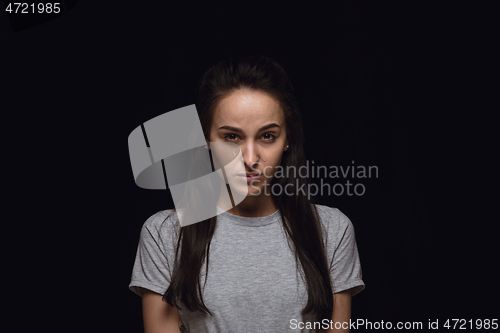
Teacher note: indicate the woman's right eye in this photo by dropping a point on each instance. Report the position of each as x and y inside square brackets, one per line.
[231, 137]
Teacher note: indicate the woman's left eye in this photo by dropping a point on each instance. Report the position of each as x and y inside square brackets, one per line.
[268, 137]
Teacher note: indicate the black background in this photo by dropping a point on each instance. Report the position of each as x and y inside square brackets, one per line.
[404, 87]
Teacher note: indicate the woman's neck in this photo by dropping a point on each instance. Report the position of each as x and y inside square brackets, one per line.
[255, 206]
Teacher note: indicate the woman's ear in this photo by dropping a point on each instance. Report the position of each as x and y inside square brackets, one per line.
[207, 146]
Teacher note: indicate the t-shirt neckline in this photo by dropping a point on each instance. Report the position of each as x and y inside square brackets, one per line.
[248, 221]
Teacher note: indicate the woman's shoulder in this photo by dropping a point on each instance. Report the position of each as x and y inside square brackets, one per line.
[332, 218]
[164, 221]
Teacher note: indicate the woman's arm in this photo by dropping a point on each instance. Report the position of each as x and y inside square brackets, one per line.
[341, 312]
[159, 316]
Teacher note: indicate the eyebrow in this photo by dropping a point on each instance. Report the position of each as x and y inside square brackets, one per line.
[235, 129]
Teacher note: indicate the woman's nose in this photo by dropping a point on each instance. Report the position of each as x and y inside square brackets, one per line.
[250, 154]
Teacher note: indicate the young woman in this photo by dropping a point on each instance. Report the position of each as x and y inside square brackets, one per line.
[272, 263]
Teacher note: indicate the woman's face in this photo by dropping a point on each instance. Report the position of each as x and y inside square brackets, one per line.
[255, 122]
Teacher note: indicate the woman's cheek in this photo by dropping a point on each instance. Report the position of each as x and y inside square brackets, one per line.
[270, 172]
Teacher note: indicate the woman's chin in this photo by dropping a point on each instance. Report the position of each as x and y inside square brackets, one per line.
[254, 190]
[247, 189]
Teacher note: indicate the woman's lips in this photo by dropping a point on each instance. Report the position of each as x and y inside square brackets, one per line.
[249, 177]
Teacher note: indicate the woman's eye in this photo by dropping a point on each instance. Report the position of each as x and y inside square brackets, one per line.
[269, 137]
[231, 137]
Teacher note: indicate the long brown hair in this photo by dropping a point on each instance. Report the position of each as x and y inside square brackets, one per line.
[298, 213]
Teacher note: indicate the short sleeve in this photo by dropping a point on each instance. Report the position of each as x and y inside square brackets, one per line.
[155, 254]
[342, 251]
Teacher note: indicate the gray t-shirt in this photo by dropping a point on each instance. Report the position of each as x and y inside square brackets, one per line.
[252, 284]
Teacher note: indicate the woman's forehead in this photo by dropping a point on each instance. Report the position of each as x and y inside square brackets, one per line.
[247, 108]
